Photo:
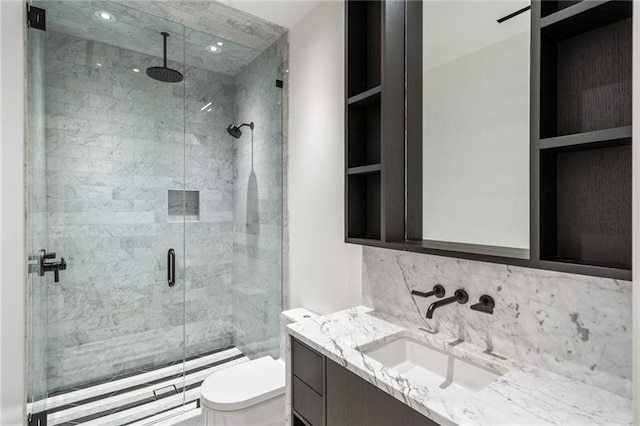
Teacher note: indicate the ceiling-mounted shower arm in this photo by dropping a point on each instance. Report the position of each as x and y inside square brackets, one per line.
[164, 42]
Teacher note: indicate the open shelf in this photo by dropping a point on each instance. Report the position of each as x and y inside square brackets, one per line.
[368, 97]
[375, 121]
[606, 136]
[363, 206]
[585, 78]
[298, 420]
[595, 263]
[581, 157]
[585, 205]
[363, 134]
[550, 6]
[364, 45]
[364, 170]
[576, 17]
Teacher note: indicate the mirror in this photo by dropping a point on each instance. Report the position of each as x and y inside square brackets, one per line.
[475, 169]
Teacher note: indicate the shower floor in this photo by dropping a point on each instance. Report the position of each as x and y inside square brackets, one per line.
[138, 399]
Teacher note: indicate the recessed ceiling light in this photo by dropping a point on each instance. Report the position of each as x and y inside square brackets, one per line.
[209, 110]
[220, 43]
[105, 16]
[98, 64]
[206, 106]
[136, 70]
[212, 48]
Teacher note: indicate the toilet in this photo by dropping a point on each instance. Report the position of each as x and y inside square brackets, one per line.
[251, 393]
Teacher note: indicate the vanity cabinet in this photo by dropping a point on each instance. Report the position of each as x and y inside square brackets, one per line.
[325, 393]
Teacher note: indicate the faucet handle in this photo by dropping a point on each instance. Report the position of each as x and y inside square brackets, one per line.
[438, 291]
[485, 305]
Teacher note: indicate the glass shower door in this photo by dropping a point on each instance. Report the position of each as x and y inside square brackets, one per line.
[36, 238]
[106, 187]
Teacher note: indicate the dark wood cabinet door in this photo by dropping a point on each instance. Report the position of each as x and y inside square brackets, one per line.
[351, 400]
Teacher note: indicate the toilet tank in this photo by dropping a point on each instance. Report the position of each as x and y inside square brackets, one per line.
[291, 316]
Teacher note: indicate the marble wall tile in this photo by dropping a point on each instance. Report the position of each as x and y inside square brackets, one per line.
[574, 325]
[115, 146]
[116, 142]
[214, 17]
[258, 198]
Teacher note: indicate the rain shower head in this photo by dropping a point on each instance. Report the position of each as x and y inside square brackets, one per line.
[235, 130]
[164, 74]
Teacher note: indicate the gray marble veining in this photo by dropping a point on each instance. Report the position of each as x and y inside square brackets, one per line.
[523, 394]
[116, 143]
[111, 143]
[213, 17]
[573, 325]
[258, 204]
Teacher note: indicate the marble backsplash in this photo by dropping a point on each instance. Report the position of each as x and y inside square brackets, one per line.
[574, 325]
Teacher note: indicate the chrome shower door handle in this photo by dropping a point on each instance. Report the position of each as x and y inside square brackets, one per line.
[171, 267]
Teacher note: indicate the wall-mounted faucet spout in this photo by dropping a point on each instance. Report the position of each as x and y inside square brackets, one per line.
[459, 296]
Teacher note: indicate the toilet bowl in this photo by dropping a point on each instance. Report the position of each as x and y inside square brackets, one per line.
[251, 393]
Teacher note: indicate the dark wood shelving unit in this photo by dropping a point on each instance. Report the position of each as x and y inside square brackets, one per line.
[374, 110]
[581, 137]
[581, 134]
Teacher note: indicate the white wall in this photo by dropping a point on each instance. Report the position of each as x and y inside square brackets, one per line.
[324, 272]
[12, 292]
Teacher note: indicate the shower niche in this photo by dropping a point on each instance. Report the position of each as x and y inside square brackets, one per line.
[183, 205]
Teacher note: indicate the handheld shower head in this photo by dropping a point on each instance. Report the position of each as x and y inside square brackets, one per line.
[235, 131]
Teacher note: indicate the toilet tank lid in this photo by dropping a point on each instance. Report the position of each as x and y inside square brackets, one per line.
[243, 385]
[298, 314]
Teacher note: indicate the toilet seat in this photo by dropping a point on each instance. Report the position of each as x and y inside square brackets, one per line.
[244, 385]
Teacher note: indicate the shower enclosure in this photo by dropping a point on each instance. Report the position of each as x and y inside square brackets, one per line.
[170, 228]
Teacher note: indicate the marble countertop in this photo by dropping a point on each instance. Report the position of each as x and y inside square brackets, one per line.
[522, 395]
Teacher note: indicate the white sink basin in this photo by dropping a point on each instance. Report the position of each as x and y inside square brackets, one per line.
[441, 372]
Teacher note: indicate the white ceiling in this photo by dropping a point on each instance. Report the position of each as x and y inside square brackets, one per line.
[285, 13]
